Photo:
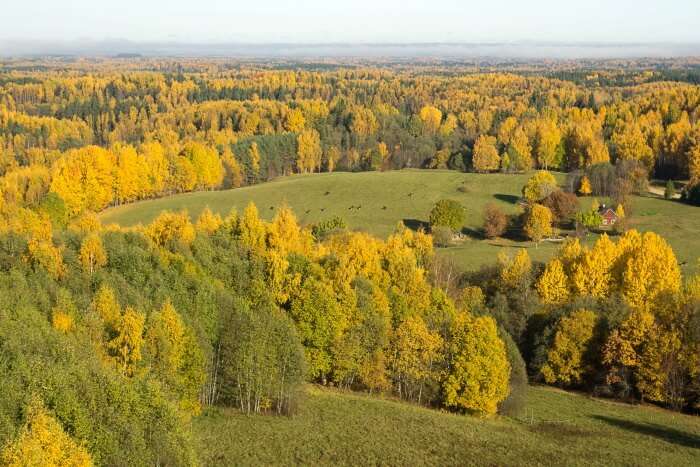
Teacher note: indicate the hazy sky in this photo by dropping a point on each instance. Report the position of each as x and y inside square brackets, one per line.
[353, 20]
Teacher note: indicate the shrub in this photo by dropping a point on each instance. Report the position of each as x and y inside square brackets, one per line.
[589, 219]
[563, 205]
[670, 191]
[495, 221]
[321, 229]
[691, 194]
[447, 213]
[442, 236]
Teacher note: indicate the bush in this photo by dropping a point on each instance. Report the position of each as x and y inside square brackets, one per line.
[447, 213]
[495, 221]
[442, 236]
[589, 220]
[691, 194]
[323, 228]
[670, 191]
[514, 404]
[563, 205]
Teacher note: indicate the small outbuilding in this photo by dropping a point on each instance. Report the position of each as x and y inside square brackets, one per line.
[608, 215]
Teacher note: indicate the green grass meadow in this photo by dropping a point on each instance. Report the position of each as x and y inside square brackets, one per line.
[559, 428]
[377, 201]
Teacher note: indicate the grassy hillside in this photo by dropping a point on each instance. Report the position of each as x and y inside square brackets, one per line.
[376, 201]
[559, 429]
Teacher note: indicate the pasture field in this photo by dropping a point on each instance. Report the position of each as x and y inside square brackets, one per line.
[558, 428]
[377, 201]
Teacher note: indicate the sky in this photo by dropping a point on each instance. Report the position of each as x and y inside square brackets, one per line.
[354, 21]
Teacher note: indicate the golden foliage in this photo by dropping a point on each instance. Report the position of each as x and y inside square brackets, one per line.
[251, 229]
[485, 156]
[414, 357]
[539, 186]
[650, 273]
[61, 321]
[592, 271]
[479, 368]
[125, 347]
[515, 272]
[208, 222]
[294, 121]
[92, 253]
[171, 228]
[553, 284]
[308, 151]
[584, 188]
[431, 118]
[83, 179]
[43, 253]
[566, 357]
[42, 442]
[538, 224]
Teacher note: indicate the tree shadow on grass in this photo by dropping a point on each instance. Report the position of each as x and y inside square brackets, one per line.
[512, 199]
[670, 435]
[415, 224]
[473, 233]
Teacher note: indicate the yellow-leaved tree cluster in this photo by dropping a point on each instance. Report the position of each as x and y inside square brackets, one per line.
[646, 341]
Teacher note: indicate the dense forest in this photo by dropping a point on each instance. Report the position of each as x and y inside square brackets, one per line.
[112, 339]
[146, 128]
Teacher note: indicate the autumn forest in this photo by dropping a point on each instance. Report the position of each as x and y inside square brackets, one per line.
[116, 340]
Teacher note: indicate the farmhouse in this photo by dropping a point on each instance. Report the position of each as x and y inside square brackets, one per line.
[608, 215]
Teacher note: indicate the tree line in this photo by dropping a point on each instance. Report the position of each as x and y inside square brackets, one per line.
[227, 128]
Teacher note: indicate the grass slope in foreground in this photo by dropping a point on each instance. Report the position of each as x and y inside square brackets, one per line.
[376, 201]
[559, 429]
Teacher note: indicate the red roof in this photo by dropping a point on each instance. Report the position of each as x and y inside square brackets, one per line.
[609, 213]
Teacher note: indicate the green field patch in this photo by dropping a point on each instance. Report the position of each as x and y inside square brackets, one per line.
[377, 201]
